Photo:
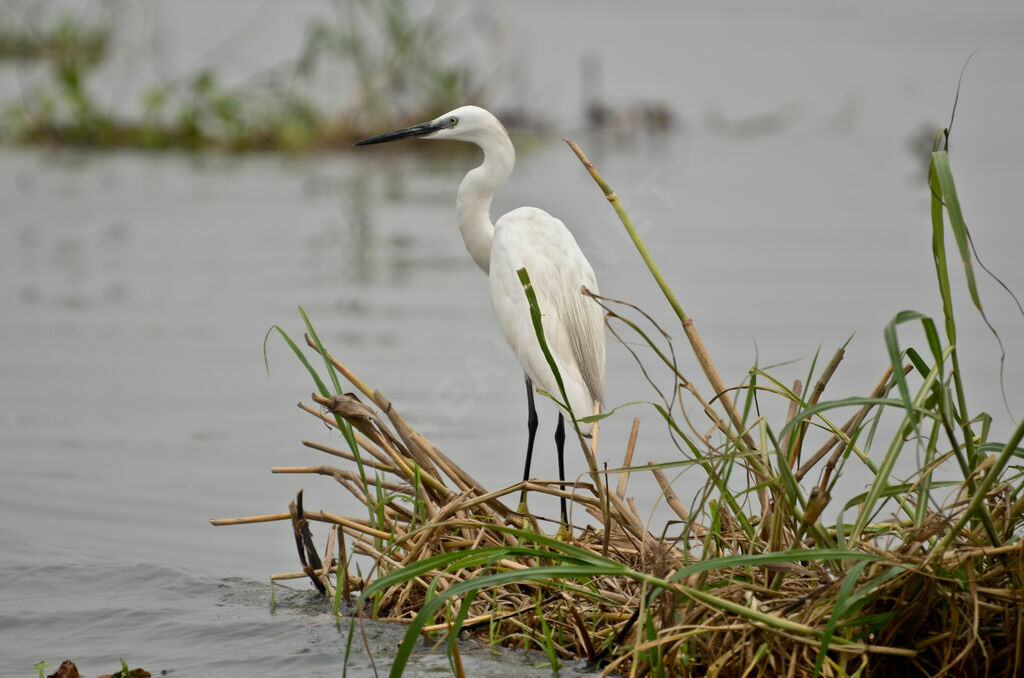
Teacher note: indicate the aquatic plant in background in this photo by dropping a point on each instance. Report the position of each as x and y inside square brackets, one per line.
[391, 55]
[66, 40]
[399, 57]
[73, 52]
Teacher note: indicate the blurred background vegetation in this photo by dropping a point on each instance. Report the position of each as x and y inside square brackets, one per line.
[392, 56]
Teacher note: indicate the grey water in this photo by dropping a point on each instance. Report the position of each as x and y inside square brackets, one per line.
[787, 208]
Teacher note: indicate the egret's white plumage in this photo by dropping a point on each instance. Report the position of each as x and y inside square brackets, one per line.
[529, 238]
[573, 324]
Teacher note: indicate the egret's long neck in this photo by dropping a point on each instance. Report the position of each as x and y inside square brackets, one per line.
[473, 202]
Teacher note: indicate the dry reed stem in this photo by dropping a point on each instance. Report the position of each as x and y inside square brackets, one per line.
[722, 426]
[620, 488]
[883, 387]
[363, 442]
[338, 473]
[676, 505]
[790, 415]
[717, 385]
[453, 471]
[819, 388]
[696, 344]
[382, 459]
[420, 454]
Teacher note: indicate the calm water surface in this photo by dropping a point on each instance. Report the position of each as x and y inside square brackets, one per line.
[136, 290]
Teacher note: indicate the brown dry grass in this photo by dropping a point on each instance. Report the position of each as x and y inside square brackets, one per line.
[644, 604]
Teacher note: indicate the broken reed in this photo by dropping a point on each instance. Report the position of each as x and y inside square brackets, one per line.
[917, 575]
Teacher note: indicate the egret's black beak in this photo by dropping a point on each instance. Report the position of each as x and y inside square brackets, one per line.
[420, 130]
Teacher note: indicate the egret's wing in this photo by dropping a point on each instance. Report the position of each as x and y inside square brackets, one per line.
[573, 324]
[583, 322]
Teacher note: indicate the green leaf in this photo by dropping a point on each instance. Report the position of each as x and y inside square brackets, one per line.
[838, 610]
[538, 328]
[944, 176]
[549, 643]
[344, 426]
[453, 638]
[320, 387]
[892, 345]
[762, 559]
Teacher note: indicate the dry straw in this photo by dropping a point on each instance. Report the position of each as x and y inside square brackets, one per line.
[915, 576]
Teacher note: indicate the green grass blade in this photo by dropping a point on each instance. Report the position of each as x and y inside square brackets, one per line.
[892, 346]
[898, 490]
[604, 415]
[976, 506]
[881, 480]
[345, 427]
[538, 328]
[944, 196]
[537, 574]
[323, 352]
[846, 402]
[320, 387]
[460, 618]
[838, 610]
[944, 176]
[762, 559]
[549, 643]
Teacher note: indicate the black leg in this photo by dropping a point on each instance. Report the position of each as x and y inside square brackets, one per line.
[531, 428]
[560, 446]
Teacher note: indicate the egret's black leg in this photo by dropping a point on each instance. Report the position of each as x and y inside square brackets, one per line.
[560, 446]
[531, 428]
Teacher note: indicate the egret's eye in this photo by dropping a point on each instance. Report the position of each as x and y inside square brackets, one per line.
[453, 121]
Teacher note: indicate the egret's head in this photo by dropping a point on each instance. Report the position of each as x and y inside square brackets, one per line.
[466, 123]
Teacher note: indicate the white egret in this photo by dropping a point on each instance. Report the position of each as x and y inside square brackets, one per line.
[531, 238]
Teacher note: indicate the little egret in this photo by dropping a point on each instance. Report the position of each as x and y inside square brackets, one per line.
[529, 238]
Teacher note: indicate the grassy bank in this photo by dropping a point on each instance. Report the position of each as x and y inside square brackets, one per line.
[758, 574]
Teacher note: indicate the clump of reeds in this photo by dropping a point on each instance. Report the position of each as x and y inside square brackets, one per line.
[915, 576]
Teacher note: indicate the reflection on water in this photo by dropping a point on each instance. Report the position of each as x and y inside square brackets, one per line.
[136, 291]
